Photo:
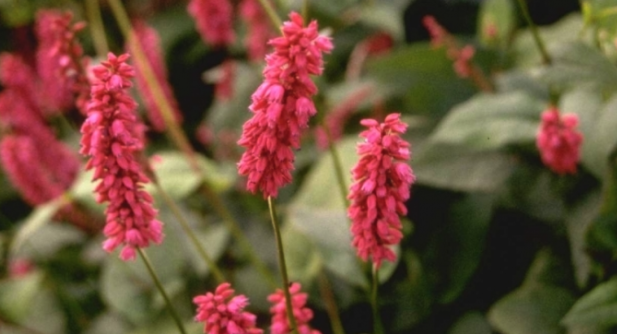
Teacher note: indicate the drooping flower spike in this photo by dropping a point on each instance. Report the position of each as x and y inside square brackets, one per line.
[381, 184]
[223, 313]
[281, 106]
[559, 141]
[113, 137]
[302, 314]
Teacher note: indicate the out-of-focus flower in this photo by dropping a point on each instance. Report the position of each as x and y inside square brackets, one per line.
[223, 314]
[150, 44]
[281, 106]
[224, 88]
[302, 314]
[382, 181]
[214, 19]
[113, 137]
[61, 64]
[259, 29]
[559, 141]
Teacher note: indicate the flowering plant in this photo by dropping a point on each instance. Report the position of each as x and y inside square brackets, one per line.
[254, 166]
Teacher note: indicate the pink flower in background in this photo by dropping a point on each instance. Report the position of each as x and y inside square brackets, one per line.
[559, 141]
[223, 313]
[20, 78]
[21, 162]
[60, 63]
[20, 267]
[259, 29]
[302, 314]
[224, 88]
[436, 31]
[214, 19]
[151, 45]
[113, 138]
[381, 184]
[281, 106]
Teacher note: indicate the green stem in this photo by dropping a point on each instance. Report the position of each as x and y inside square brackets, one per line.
[546, 59]
[331, 308]
[159, 286]
[179, 138]
[96, 27]
[305, 9]
[236, 231]
[218, 274]
[274, 18]
[377, 324]
[282, 267]
[338, 166]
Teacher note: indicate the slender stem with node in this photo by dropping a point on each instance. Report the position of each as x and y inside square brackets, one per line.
[546, 58]
[282, 267]
[159, 286]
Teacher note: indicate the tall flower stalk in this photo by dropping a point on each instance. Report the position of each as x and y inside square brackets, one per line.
[113, 138]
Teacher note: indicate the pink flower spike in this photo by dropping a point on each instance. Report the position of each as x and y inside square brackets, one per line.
[151, 45]
[214, 19]
[223, 313]
[381, 183]
[259, 29]
[559, 141]
[113, 138]
[281, 106]
[302, 314]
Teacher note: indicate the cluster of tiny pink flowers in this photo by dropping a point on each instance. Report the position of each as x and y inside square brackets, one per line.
[223, 314]
[281, 106]
[151, 46]
[559, 141]
[258, 26]
[214, 19]
[382, 180]
[113, 137]
[440, 37]
[302, 314]
[60, 62]
[38, 165]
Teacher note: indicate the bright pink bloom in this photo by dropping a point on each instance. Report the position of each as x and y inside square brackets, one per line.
[281, 106]
[60, 62]
[382, 180]
[559, 141]
[214, 19]
[113, 138]
[259, 29]
[224, 314]
[302, 314]
[151, 45]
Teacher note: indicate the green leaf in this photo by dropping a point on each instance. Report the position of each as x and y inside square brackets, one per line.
[525, 50]
[17, 296]
[531, 309]
[214, 240]
[452, 167]
[577, 223]
[40, 216]
[496, 22]
[576, 63]
[177, 178]
[600, 140]
[491, 121]
[46, 241]
[303, 260]
[471, 323]
[457, 249]
[597, 308]
[318, 207]
[421, 75]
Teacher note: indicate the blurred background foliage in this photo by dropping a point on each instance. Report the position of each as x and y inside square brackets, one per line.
[495, 242]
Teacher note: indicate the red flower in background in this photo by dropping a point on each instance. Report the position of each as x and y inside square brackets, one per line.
[559, 141]
[214, 19]
[382, 181]
[113, 137]
[281, 106]
[151, 46]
